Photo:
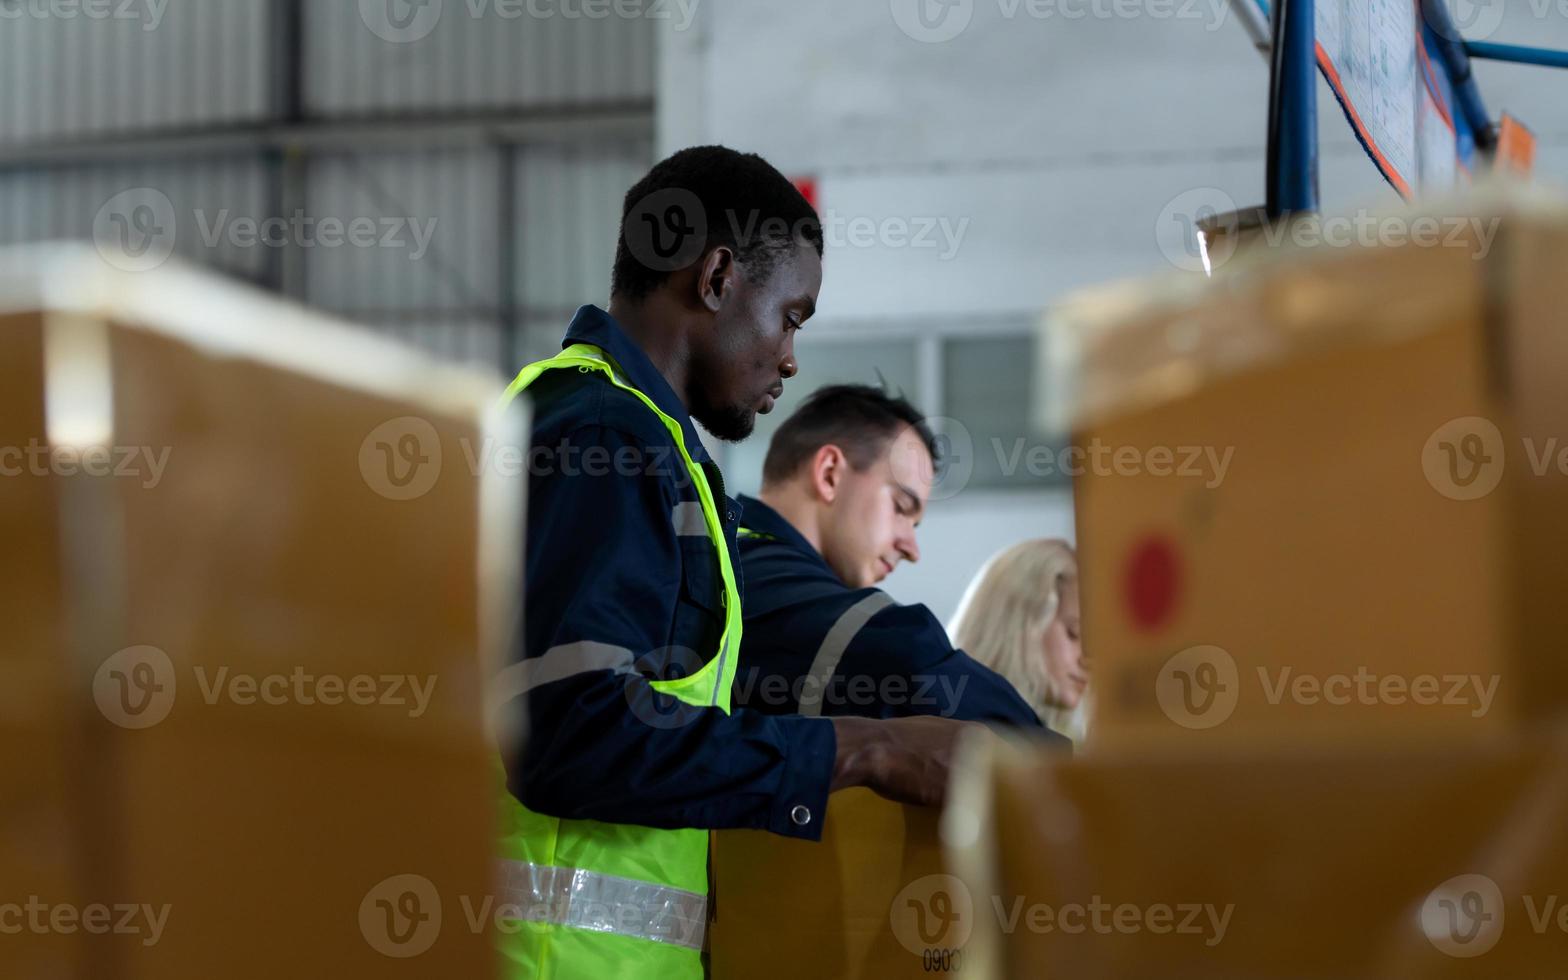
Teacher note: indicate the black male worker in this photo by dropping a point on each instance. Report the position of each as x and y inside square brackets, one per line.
[845, 483]
[632, 622]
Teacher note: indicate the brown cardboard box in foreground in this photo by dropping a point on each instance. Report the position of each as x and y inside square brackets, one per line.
[255, 592]
[1447, 859]
[1326, 493]
[37, 856]
[855, 905]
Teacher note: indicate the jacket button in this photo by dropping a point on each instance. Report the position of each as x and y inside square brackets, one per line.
[800, 816]
[729, 515]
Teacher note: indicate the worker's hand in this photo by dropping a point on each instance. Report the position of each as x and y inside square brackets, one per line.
[904, 759]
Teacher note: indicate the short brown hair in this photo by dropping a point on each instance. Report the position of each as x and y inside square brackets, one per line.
[859, 419]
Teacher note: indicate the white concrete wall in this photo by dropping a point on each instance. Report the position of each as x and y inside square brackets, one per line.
[1055, 143]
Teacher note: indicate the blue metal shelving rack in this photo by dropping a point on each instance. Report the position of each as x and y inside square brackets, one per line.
[1292, 145]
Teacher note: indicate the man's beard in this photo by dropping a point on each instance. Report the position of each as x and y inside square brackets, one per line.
[731, 424]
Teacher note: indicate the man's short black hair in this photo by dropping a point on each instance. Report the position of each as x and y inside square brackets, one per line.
[739, 200]
[859, 419]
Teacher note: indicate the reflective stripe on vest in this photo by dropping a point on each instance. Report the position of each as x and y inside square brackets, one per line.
[603, 903]
[578, 878]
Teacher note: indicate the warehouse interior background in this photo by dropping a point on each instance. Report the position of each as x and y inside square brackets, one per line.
[967, 183]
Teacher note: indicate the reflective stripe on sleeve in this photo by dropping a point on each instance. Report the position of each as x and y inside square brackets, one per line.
[601, 903]
[825, 664]
[559, 663]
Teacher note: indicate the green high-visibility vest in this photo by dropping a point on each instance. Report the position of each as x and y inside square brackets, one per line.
[600, 900]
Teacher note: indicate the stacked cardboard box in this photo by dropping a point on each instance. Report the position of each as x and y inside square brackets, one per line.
[1322, 523]
[1324, 495]
[1251, 863]
[36, 852]
[854, 905]
[246, 579]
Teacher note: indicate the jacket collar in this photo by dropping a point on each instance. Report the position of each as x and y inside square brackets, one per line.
[763, 519]
[592, 325]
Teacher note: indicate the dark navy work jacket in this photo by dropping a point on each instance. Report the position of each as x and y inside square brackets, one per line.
[814, 645]
[623, 586]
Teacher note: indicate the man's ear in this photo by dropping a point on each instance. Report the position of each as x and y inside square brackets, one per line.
[828, 467]
[715, 277]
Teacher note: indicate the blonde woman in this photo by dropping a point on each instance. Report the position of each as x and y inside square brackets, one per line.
[1020, 618]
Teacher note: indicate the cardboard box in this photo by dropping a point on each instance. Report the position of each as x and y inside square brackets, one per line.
[1445, 860]
[869, 901]
[1324, 495]
[38, 856]
[266, 585]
